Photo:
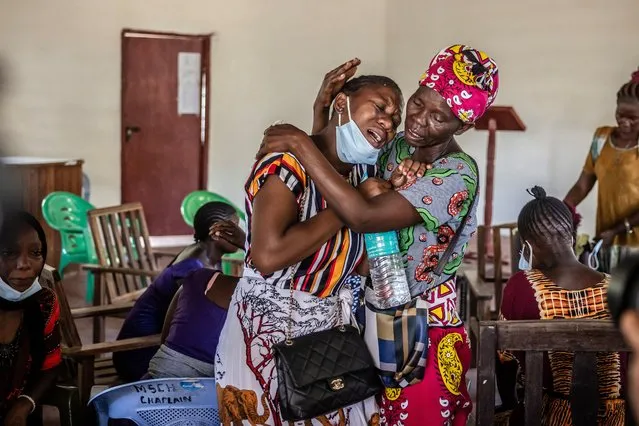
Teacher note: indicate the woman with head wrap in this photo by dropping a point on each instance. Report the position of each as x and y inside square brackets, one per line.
[613, 162]
[554, 285]
[427, 208]
[216, 233]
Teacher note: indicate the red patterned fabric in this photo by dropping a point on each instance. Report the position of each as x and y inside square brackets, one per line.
[468, 79]
[51, 313]
[14, 378]
[442, 398]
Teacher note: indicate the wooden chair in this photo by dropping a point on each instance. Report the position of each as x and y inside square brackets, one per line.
[65, 398]
[494, 271]
[127, 263]
[89, 368]
[584, 337]
[485, 280]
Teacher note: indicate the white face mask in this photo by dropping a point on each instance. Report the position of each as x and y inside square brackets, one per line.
[525, 264]
[12, 295]
[593, 259]
[351, 144]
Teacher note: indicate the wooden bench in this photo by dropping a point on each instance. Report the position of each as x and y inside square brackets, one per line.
[584, 337]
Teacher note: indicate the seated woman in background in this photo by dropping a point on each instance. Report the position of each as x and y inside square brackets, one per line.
[29, 333]
[193, 325]
[553, 284]
[216, 234]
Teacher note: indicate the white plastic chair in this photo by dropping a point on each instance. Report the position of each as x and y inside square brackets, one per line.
[160, 402]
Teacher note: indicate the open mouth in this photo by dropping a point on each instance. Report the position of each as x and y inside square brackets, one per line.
[376, 137]
[413, 134]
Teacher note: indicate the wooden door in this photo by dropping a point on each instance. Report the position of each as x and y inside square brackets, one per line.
[164, 123]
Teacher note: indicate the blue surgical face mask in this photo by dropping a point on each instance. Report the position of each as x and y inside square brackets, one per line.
[12, 295]
[593, 259]
[352, 146]
[525, 264]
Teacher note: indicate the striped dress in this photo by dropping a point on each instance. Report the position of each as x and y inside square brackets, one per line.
[531, 295]
[259, 310]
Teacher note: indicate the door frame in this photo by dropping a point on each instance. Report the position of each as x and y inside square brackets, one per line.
[205, 85]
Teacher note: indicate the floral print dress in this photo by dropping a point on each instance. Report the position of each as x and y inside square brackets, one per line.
[443, 196]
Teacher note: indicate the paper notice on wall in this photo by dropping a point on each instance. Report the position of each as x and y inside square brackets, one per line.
[189, 83]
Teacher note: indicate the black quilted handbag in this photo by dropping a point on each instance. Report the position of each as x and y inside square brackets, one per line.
[324, 371]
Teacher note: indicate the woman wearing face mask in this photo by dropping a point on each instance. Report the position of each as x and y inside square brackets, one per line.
[298, 247]
[29, 334]
[554, 284]
[427, 209]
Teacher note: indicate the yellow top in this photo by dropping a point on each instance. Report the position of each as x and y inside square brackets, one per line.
[617, 172]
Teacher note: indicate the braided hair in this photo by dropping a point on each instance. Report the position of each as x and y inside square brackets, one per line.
[207, 215]
[545, 218]
[630, 90]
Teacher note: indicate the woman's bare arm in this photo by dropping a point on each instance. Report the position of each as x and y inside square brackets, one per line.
[278, 239]
[580, 189]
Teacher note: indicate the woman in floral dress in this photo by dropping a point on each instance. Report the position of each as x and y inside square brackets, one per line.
[436, 188]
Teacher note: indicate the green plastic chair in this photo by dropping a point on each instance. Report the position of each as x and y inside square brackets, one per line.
[192, 203]
[67, 214]
[196, 199]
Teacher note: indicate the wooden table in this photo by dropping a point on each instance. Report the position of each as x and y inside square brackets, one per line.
[37, 177]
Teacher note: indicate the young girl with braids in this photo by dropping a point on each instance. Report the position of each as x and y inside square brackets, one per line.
[613, 161]
[552, 284]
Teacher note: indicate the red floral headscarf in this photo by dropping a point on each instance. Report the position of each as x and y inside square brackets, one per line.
[466, 78]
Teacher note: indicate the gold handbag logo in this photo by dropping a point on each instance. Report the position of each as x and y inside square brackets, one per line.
[336, 384]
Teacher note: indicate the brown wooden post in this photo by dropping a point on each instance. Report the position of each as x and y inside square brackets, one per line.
[497, 118]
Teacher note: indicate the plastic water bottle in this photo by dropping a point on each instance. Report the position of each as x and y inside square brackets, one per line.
[390, 286]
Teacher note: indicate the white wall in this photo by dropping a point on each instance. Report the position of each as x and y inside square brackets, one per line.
[268, 58]
[561, 64]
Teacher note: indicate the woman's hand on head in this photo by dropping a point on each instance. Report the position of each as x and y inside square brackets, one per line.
[372, 187]
[281, 138]
[334, 81]
[228, 235]
[407, 171]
